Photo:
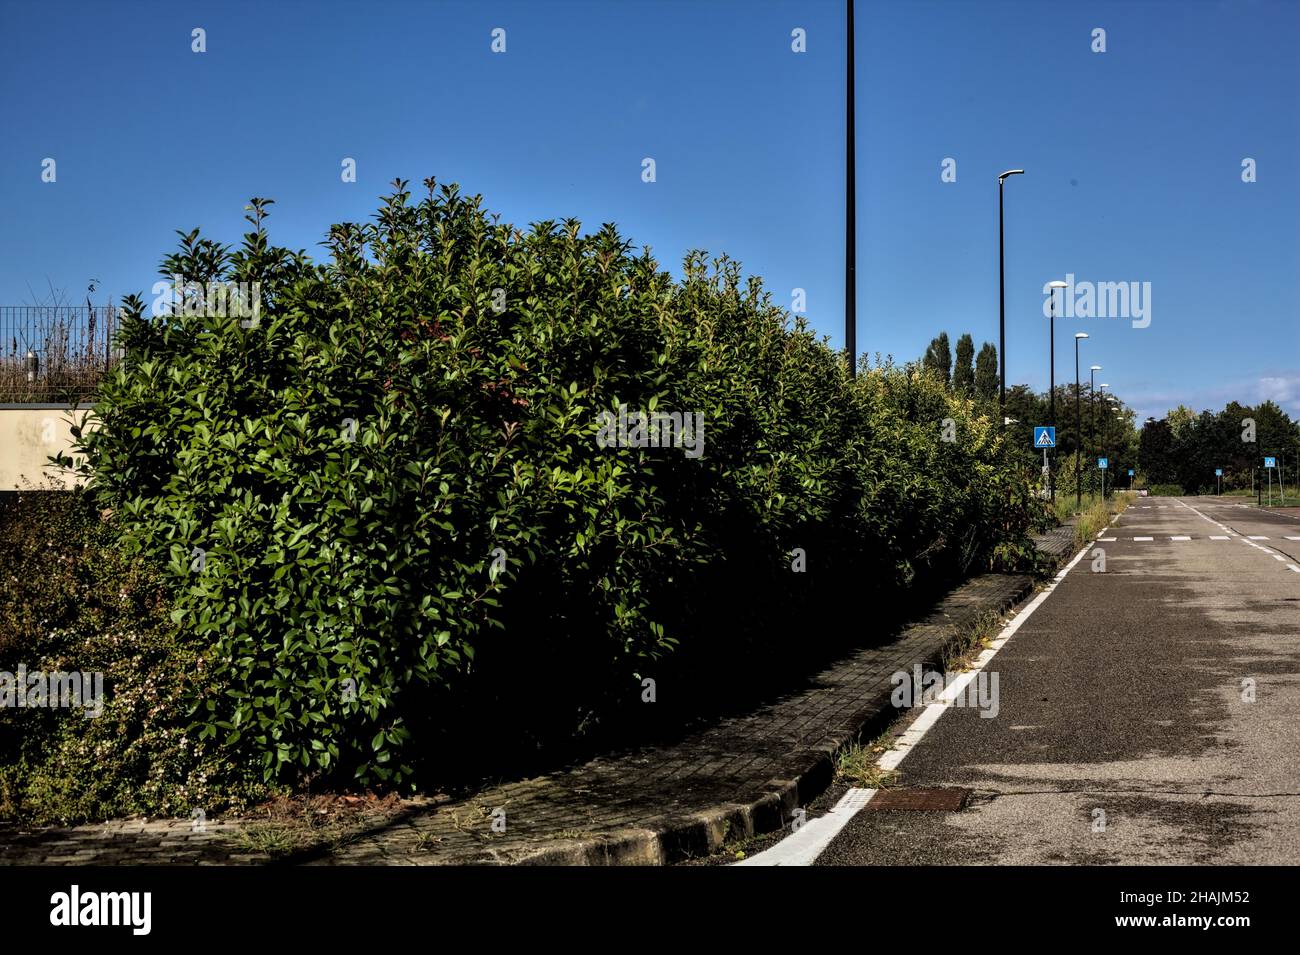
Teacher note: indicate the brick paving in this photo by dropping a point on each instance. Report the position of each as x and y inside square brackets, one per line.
[651, 805]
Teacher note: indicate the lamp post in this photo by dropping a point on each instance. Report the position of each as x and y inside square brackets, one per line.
[1078, 427]
[1002, 301]
[1051, 386]
[850, 214]
[1102, 387]
[1092, 405]
[1120, 437]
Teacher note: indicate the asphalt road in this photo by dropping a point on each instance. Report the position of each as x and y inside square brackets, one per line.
[1125, 732]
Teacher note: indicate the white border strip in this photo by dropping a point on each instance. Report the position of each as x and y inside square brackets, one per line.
[811, 839]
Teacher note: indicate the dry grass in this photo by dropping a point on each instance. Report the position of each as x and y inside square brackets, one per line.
[291, 824]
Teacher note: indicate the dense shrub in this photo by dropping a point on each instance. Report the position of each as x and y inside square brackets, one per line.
[1166, 490]
[71, 602]
[470, 546]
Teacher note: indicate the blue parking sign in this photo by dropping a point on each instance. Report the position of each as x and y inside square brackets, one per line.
[1044, 436]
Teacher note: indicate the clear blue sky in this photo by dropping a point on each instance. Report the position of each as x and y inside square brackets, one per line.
[1133, 156]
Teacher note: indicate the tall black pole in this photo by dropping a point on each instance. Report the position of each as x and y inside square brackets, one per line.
[850, 217]
[1105, 442]
[1078, 434]
[1002, 315]
[1092, 418]
[1051, 388]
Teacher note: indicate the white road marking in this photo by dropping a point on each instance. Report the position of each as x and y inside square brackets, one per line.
[1292, 537]
[1143, 538]
[1293, 567]
[810, 840]
[1248, 540]
[1105, 539]
[807, 842]
[1180, 538]
[1217, 538]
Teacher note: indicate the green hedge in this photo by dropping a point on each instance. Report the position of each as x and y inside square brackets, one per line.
[363, 593]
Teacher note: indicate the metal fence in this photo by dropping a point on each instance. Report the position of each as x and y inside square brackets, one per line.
[55, 353]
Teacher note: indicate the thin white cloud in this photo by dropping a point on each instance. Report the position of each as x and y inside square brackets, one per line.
[1281, 386]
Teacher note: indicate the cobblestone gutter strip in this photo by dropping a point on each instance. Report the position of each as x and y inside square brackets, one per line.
[740, 777]
[130, 841]
[1058, 543]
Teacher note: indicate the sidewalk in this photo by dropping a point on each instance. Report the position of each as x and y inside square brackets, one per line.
[653, 805]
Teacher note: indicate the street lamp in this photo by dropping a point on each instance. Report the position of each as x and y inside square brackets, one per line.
[850, 213]
[1092, 405]
[1002, 299]
[1051, 362]
[1078, 427]
[1102, 388]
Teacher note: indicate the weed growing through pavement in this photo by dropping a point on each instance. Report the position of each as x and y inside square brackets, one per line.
[1098, 513]
[287, 826]
[856, 764]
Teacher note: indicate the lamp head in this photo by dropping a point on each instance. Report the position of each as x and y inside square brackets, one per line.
[1080, 335]
[1011, 172]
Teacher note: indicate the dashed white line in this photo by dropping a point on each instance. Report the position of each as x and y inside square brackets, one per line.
[1144, 538]
[1257, 537]
[1180, 538]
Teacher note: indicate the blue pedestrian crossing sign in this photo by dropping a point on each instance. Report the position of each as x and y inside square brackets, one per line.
[1218, 472]
[1103, 463]
[1044, 437]
[1130, 472]
[1270, 462]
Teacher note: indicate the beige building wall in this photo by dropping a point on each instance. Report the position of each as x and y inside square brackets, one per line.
[29, 435]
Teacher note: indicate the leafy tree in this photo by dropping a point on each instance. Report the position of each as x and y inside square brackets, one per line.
[986, 372]
[1185, 448]
[963, 375]
[938, 358]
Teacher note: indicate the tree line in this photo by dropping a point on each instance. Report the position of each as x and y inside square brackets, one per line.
[1179, 452]
[1185, 448]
